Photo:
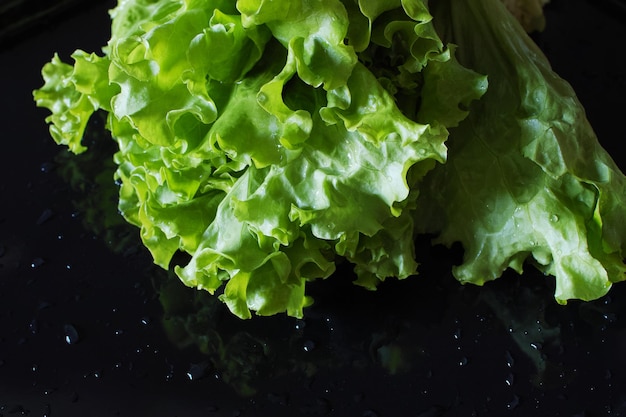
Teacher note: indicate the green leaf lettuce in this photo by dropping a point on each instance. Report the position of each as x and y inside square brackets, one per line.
[269, 139]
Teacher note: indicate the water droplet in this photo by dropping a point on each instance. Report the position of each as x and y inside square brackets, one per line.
[119, 332]
[47, 412]
[509, 359]
[44, 304]
[509, 380]
[513, 403]
[536, 346]
[145, 321]
[329, 323]
[71, 334]
[47, 167]
[554, 218]
[308, 346]
[300, 324]
[610, 317]
[44, 216]
[33, 326]
[37, 262]
[197, 371]
[457, 334]
[169, 376]
[463, 361]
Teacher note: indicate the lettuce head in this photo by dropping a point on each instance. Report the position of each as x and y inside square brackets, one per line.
[268, 140]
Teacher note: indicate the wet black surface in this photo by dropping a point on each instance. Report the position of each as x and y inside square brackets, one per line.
[89, 327]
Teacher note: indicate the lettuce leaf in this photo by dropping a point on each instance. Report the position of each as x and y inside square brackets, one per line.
[268, 139]
[526, 177]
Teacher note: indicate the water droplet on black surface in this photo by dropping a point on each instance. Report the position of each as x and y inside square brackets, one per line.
[509, 359]
[197, 371]
[47, 167]
[33, 326]
[71, 334]
[37, 262]
[463, 361]
[514, 403]
[457, 334]
[43, 305]
[610, 317]
[509, 380]
[44, 216]
[308, 346]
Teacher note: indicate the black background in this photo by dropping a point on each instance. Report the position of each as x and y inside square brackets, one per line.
[465, 352]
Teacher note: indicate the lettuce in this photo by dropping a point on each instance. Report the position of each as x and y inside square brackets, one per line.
[525, 167]
[268, 140]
